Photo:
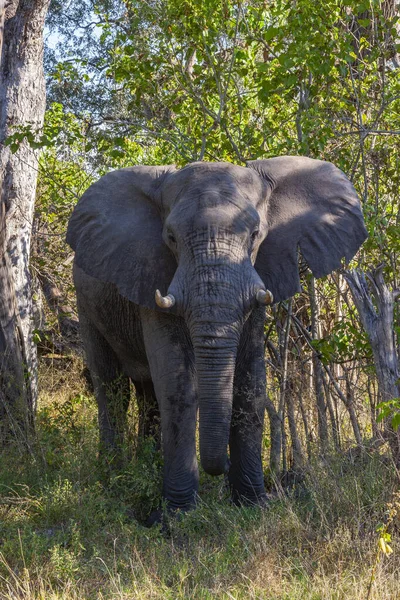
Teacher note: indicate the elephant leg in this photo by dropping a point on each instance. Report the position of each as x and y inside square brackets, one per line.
[149, 414]
[170, 356]
[246, 474]
[111, 388]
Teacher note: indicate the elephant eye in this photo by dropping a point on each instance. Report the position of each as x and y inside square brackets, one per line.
[171, 238]
[254, 235]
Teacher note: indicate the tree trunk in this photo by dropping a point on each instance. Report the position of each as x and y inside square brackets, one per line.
[57, 301]
[303, 412]
[276, 437]
[283, 334]
[297, 450]
[332, 416]
[14, 418]
[22, 103]
[378, 324]
[317, 368]
[2, 16]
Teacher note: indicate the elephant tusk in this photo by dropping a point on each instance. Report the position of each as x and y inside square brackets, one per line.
[264, 297]
[164, 301]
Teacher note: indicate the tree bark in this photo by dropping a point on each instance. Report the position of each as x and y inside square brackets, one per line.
[67, 320]
[332, 416]
[378, 324]
[14, 418]
[275, 426]
[284, 359]
[22, 103]
[276, 437]
[317, 368]
[297, 450]
[303, 412]
[2, 17]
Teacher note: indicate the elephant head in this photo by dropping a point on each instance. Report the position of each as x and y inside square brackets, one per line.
[211, 242]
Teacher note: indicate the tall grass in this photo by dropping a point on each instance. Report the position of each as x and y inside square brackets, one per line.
[64, 534]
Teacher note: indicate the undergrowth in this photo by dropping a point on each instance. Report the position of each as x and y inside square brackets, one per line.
[65, 533]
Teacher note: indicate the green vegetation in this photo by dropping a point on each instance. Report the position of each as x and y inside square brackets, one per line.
[65, 534]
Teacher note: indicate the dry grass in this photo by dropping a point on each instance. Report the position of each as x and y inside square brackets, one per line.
[64, 535]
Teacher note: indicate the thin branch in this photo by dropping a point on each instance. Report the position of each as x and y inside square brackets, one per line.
[366, 132]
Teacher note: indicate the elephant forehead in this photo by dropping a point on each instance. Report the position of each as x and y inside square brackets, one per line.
[213, 210]
[202, 179]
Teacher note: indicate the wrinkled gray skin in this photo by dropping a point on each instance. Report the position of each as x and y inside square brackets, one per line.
[212, 235]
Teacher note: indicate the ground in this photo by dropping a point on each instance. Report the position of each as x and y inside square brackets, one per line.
[67, 531]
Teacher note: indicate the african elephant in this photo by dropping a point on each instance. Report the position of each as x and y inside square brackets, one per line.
[220, 241]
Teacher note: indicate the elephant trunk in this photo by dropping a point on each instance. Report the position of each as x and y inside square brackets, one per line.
[219, 298]
[215, 363]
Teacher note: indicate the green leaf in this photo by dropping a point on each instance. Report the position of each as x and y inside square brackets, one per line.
[396, 421]
[270, 33]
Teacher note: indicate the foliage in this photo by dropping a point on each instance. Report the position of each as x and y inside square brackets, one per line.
[344, 342]
[385, 537]
[390, 409]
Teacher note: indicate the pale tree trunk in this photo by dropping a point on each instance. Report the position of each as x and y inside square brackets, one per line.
[14, 418]
[378, 324]
[304, 416]
[340, 283]
[275, 425]
[22, 103]
[317, 368]
[2, 16]
[332, 416]
[284, 351]
[276, 437]
[297, 450]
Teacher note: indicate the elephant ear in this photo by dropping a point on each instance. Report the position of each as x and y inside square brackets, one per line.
[116, 232]
[311, 205]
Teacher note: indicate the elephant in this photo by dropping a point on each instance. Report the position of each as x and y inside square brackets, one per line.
[173, 270]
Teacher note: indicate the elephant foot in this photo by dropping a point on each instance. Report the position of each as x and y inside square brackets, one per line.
[161, 516]
[155, 518]
[262, 500]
